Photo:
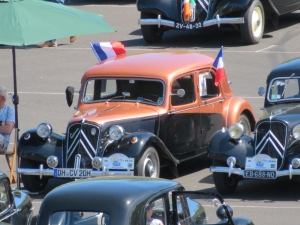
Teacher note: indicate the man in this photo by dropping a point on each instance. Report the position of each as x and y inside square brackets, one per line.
[7, 120]
[149, 211]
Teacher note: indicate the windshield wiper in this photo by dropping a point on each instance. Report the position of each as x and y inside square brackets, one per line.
[124, 94]
[293, 74]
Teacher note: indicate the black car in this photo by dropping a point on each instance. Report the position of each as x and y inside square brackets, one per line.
[274, 151]
[132, 201]
[158, 16]
[15, 206]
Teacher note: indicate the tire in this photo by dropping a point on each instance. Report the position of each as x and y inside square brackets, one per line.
[149, 165]
[245, 122]
[151, 33]
[252, 32]
[225, 185]
[32, 183]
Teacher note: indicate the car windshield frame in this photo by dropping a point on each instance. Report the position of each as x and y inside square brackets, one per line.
[282, 89]
[157, 94]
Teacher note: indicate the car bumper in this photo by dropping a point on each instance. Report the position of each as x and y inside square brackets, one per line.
[41, 172]
[230, 170]
[217, 21]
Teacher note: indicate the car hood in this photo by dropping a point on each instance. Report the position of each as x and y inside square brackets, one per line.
[113, 111]
[284, 112]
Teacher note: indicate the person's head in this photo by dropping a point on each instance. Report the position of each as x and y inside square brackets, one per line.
[3, 93]
[149, 209]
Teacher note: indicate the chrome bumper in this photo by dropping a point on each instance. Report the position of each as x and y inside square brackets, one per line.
[170, 23]
[230, 170]
[50, 172]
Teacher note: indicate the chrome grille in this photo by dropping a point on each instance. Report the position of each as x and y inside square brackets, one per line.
[81, 140]
[271, 140]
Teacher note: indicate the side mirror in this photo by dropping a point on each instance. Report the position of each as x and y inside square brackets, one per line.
[181, 93]
[69, 95]
[221, 213]
[261, 91]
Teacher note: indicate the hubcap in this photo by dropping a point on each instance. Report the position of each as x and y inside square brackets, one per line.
[149, 168]
[257, 22]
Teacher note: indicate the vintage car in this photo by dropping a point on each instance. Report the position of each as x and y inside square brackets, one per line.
[135, 114]
[15, 206]
[158, 16]
[274, 151]
[132, 201]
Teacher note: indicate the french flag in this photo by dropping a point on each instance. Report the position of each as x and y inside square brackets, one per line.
[219, 65]
[105, 50]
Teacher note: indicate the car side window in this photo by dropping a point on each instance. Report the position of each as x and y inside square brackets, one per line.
[207, 88]
[4, 197]
[155, 212]
[187, 84]
[98, 89]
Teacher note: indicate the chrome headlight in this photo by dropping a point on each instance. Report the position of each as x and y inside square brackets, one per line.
[236, 130]
[116, 132]
[44, 130]
[296, 132]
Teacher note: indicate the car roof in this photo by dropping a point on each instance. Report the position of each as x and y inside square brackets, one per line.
[152, 64]
[285, 69]
[118, 197]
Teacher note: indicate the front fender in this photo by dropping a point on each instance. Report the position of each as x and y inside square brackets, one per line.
[136, 150]
[39, 149]
[225, 7]
[236, 107]
[222, 146]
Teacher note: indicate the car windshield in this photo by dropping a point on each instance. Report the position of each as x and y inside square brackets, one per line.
[147, 91]
[79, 218]
[284, 89]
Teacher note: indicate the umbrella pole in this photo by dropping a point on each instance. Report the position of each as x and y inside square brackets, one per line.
[15, 99]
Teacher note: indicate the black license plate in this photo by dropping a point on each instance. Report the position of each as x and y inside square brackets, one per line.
[190, 26]
[258, 174]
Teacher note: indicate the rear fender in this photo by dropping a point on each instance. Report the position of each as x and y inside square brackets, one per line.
[38, 149]
[237, 106]
[222, 146]
[144, 140]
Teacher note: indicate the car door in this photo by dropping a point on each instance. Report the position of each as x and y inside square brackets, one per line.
[211, 106]
[194, 207]
[183, 120]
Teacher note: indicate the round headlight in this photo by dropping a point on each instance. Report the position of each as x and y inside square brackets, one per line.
[236, 130]
[296, 132]
[44, 130]
[116, 132]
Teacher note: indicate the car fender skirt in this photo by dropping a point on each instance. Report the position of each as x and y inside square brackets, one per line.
[144, 140]
[222, 146]
[32, 147]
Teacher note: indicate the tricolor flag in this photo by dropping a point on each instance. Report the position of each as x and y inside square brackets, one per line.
[186, 10]
[104, 50]
[219, 65]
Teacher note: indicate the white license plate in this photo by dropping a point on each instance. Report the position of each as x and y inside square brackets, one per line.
[258, 174]
[73, 173]
[261, 162]
[118, 161]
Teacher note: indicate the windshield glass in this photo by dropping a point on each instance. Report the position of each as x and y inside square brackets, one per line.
[284, 89]
[116, 89]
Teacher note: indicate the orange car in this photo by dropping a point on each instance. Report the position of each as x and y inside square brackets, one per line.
[135, 114]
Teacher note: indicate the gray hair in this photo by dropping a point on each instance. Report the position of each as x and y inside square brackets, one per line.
[3, 92]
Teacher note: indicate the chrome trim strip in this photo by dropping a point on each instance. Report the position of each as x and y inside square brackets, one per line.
[95, 173]
[275, 138]
[203, 6]
[277, 150]
[85, 148]
[223, 21]
[157, 21]
[77, 143]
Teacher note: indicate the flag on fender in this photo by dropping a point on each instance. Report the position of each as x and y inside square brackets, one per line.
[219, 65]
[104, 50]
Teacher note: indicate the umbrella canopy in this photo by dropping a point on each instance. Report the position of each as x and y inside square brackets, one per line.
[26, 22]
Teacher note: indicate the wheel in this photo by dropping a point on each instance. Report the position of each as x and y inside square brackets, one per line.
[253, 28]
[30, 182]
[245, 122]
[148, 165]
[151, 33]
[224, 184]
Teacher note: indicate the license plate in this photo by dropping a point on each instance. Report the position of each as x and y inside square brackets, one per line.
[189, 26]
[258, 174]
[118, 161]
[73, 173]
